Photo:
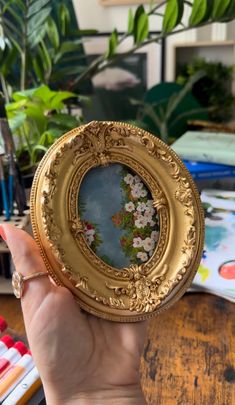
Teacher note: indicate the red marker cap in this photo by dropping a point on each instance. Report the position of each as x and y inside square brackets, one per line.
[3, 324]
[8, 341]
[20, 346]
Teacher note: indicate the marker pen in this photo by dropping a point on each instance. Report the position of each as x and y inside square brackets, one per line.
[15, 375]
[11, 357]
[24, 391]
[3, 325]
[6, 342]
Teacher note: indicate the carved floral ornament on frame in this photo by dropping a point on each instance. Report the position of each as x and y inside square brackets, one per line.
[147, 251]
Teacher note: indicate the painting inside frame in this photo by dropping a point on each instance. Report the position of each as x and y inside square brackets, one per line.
[129, 78]
[120, 224]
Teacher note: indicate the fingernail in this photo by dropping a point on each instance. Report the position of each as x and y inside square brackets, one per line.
[2, 233]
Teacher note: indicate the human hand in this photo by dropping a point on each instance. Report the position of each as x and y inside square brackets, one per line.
[81, 359]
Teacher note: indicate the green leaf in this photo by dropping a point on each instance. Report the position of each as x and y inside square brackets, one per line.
[36, 6]
[113, 42]
[57, 102]
[46, 56]
[36, 36]
[173, 15]
[230, 13]
[85, 100]
[8, 61]
[15, 122]
[38, 148]
[15, 106]
[139, 11]
[130, 21]
[37, 66]
[142, 29]
[19, 95]
[66, 71]
[52, 32]
[37, 20]
[66, 121]
[64, 18]
[199, 11]
[70, 46]
[47, 138]
[88, 31]
[219, 9]
[44, 93]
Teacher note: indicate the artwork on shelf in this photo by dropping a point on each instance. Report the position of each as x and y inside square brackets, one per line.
[125, 231]
[127, 79]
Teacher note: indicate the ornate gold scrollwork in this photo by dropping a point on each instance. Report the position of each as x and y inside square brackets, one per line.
[136, 291]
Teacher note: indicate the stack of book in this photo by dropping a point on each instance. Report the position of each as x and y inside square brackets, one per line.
[208, 156]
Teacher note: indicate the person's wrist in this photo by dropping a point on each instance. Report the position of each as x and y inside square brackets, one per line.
[130, 395]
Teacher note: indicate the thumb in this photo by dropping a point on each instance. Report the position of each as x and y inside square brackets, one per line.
[27, 260]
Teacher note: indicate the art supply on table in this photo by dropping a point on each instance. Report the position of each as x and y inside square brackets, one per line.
[15, 375]
[16, 187]
[6, 342]
[3, 324]
[11, 185]
[216, 273]
[28, 386]
[5, 328]
[11, 357]
[4, 191]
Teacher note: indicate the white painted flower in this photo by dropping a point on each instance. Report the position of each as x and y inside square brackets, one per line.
[139, 185]
[149, 203]
[141, 206]
[154, 235]
[137, 214]
[150, 211]
[90, 239]
[140, 222]
[148, 244]
[90, 232]
[150, 253]
[129, 179]
[152, 223]
[137, 179]
[148, 216]
[135, 192]
[137, 242]
[142, 256]
[143, 192]
[129, 206]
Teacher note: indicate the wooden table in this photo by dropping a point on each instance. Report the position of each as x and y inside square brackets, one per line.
[189, 356]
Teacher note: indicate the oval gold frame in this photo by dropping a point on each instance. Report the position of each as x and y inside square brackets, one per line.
[139, 291]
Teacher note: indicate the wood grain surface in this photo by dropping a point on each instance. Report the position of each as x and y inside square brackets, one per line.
[189, 355]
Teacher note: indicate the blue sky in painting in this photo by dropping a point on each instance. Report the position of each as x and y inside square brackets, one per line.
[102, 196]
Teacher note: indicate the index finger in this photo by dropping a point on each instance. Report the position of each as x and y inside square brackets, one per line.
[27, 261]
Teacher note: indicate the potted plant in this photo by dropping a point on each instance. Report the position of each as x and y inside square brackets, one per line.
[37, 117]
[36, 45]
